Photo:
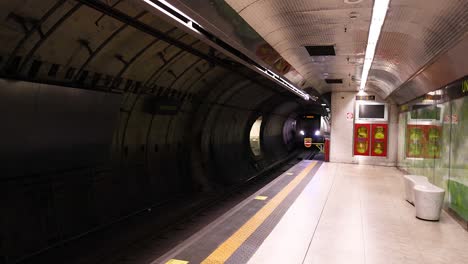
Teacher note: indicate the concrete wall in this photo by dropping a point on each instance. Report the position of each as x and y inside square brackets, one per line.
[341, 138]
[341, 145]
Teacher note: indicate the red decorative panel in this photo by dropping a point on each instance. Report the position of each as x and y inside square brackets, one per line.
[379, 140]
[362, 139]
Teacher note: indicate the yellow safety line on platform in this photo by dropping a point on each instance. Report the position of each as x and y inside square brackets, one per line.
[228, 247]
[177, 261]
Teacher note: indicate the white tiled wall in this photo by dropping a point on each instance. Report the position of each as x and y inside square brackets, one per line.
[341, 139]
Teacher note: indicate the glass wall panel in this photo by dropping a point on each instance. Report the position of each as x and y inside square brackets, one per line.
[433, 142]
[458, 176]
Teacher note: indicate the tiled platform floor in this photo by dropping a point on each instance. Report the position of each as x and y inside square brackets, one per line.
[363, 219]
[352, 214]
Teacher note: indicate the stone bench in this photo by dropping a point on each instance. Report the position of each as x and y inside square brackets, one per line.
[428, 200]
[426, 197]
[410, 182]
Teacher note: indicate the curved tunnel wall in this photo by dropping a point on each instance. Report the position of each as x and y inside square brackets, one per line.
[75, 159]
[83, 144]
[275, 142]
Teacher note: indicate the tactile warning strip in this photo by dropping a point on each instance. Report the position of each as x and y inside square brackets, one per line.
[250, 246]
[228, 247]
[205, 246]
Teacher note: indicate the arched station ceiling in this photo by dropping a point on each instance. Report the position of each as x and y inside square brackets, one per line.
[420, 40]
[415, 35]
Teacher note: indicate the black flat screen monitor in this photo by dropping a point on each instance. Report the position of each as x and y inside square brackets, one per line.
[372, 111]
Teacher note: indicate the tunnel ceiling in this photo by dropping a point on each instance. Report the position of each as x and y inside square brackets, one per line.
[116, 46]
[414, 35]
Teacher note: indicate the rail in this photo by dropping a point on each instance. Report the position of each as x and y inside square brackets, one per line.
[320, 146]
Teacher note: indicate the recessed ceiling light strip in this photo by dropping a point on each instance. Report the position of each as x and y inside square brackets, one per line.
[379, 11]
[174, 13]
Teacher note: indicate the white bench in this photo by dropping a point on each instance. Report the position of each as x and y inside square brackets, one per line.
[426, 197]
[428, 200]
[410, 182]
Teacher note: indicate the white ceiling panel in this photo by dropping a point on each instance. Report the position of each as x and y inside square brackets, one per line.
[414, 33]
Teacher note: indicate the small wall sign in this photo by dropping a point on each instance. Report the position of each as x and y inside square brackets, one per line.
[365, 97]
[453, 119]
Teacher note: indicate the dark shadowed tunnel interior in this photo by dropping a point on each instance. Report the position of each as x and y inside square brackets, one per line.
[103, 118]
[123, 118]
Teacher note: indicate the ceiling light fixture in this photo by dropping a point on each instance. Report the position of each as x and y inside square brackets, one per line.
[379, 11]
[288, 85]
[172, 12]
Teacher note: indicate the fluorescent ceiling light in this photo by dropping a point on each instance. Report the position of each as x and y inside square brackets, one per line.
[285, 83]
[438, 92]
[378, 17]
[166, 8]
[324, 104]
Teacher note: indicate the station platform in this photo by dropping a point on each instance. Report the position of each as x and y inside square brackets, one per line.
[325, 213]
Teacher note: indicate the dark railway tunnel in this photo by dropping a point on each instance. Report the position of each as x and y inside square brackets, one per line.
[102, 119]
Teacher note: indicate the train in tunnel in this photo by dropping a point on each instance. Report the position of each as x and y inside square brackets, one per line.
[111, 108]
